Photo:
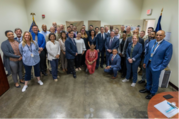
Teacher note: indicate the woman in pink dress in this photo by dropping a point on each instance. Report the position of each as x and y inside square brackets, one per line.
[91, 57]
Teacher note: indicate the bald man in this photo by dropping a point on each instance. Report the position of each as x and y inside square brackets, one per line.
[54, 24]
[44, 30]
[52, 30]
[157, 58]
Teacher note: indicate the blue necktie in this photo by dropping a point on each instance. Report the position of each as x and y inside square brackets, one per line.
[152, 51]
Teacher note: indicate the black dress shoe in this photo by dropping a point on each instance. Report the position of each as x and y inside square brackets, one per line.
[69, 72]
[122, 76]
[145, 84]
[18, 86]
[74, 75]
[149, 96]
[44, 73]
[141, 81]
[144, 91]
[96, 68]
[101, 66]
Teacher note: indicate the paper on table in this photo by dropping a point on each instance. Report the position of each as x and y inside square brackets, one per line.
[166, 109]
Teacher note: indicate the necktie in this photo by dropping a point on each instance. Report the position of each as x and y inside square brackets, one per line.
[112, 57]
[102, 37]
[110, 42]
[73, 41]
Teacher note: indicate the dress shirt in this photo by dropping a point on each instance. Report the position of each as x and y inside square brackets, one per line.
[20, 39]
[45, 33]
[53, 49]
[103, 35]
[26, 53]
[117, 36]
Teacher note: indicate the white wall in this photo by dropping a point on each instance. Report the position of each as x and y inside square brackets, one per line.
[108, 11]
[13, 15]
[169, 23]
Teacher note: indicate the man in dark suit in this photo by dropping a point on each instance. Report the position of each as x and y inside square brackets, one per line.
[18, 33]
[110, 44]
[114, 64]
[129, 40]
[157, 57]
[100, 46]
[71, 52]
[107, 32]
[90, 29]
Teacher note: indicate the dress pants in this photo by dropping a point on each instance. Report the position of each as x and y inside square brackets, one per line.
[28, 71]
[43, 66]
[152, 79]
[123, 66]
[63, 60]
[16, 69]
[83, 59]
[132, 67]
[107, 57]
[102, 58]
[70, 66]
[54, 66]
[78, 59]
[112, 70]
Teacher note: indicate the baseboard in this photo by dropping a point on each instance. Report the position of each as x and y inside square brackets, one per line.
[174, 86]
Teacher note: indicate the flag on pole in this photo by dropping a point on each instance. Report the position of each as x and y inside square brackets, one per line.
[159, 27]
[33, 22]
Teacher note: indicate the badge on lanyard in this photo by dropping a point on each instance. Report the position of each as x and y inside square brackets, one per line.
[32, 55]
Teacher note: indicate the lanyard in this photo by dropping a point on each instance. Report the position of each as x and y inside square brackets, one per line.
[154, 50]
[30, 48]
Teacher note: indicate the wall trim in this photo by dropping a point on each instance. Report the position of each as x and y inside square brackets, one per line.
[174, 86]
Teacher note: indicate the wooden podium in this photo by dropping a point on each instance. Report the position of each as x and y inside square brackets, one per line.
[4, 85]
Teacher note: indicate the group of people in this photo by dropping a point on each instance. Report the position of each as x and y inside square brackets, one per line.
[121, 51]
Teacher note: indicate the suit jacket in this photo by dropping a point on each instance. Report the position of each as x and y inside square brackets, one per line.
[137, 52]
[120, 45]
[71, 49]
[114, 44]
[41, 39]
[108, 34]
[161, 57]
[100, 43]
[20, 40]
[115, 63]
[129, 40]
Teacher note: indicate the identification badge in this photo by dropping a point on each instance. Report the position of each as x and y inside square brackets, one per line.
[152, 55]
[32, 55]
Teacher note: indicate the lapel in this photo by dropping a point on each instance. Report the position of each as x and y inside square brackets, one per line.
[159, 46]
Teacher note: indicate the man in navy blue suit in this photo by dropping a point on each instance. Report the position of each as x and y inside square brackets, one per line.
[157, 57]
[100, 46]
[114, 64]
[71, 52]
[18, 33]
[110, 44]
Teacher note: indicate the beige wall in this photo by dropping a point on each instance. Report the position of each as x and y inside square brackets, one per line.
[169, 23]
[13, 15]
[112, 12]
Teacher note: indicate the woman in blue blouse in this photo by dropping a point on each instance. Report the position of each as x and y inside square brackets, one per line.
[29, 50]
[133, 58]
[92, 38]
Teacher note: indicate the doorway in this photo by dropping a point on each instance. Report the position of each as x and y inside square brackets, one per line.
[148, 23]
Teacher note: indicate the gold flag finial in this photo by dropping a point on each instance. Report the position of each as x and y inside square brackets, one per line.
[32, 15]
[161, 12]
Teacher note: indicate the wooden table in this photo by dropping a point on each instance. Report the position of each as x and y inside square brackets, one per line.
[153, 112]
[4, 85]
